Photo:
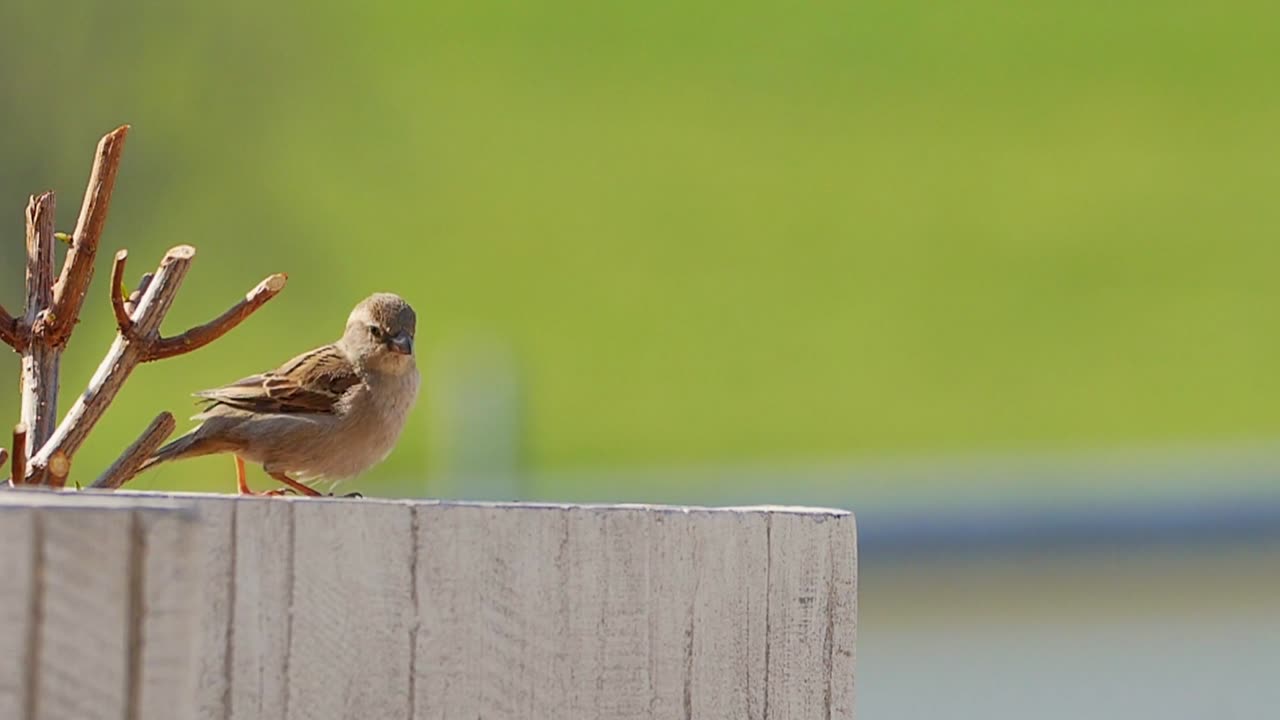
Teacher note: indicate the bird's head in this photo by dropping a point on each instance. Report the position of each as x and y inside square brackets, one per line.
[380, 332]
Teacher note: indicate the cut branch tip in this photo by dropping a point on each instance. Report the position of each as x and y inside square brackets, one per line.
[19, 453]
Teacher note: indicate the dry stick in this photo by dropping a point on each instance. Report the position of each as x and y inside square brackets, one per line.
[125, 354]
[126, 466]
[201, 335]
[77, 269]
[40, 359]
[19, 453]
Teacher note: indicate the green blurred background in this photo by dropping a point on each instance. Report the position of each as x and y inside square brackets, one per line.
[703, 232]
[998, 276]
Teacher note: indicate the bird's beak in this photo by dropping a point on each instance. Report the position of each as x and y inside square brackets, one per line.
[401, 343]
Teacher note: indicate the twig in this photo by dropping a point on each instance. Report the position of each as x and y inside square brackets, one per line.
[117, 293]
[40, 359]
[126, 466]
[125, 354]
[11, 331]
[201, 335]
[77, 269]
[19, 454]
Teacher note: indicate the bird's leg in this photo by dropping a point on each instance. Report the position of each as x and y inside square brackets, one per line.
[242, 481]
[280, 476]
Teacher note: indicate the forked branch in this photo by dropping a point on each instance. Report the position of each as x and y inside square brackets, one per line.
[201, 335]
[137, 341]
[125, 354]
[42, 454]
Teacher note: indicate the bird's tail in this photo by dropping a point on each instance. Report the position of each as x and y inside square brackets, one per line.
[189, 445]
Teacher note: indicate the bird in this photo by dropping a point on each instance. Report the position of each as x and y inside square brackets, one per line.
[328, 414]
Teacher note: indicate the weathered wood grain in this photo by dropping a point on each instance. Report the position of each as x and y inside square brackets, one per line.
[83, 667]
[214, 556]
[323, 609]
[256, 647]
[105, 628]
[730, 615]
[529, 611]
[806, 618]
[351, 620]
[19, 600]
[164, 609]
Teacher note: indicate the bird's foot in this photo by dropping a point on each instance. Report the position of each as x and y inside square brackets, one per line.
[278, 492]
[348, 495]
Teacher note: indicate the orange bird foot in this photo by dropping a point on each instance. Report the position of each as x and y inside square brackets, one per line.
[301, 488]
[242, 483]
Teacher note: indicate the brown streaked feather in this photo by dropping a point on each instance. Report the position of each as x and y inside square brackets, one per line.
[312, 382]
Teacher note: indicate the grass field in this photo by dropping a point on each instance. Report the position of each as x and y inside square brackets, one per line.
[708, 232]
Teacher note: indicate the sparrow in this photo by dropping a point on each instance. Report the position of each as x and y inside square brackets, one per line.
[328, 414]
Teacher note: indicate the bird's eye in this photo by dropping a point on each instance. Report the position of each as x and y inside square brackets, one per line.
[375, 331]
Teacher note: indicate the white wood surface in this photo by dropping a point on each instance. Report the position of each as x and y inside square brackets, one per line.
[18, 597]
[315, 609]
[104, 628]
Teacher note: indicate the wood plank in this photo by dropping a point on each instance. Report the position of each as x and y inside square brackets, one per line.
[447, 600]
[616, 585]
[85, 616]
[484, 648]
[214, 554]
[590, 612]
[257, 634]
[352, 619]
[805, 619]
[844, 612]
[341, 609]
[18, 597]
[167, 608]
[729, 615]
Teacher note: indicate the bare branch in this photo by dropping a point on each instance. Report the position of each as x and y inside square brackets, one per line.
[125, 354]
[11, 331]
[199, 336]
[77, 269]
[40, 359]
[19, 454]
[126, 466]
[117, 293]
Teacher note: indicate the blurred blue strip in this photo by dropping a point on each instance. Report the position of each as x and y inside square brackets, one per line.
[1239, 519]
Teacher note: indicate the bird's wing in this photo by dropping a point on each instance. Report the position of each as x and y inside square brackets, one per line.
[313, 382]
